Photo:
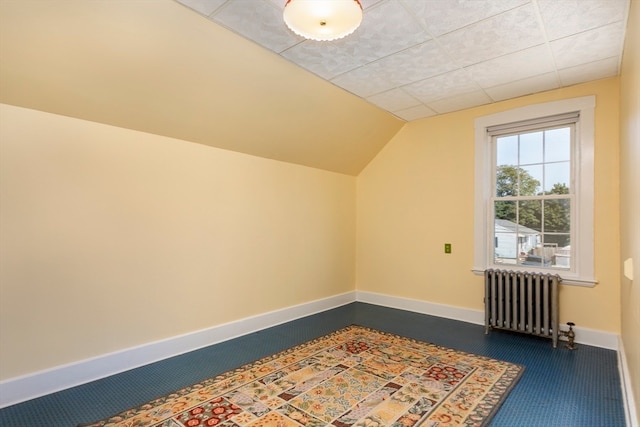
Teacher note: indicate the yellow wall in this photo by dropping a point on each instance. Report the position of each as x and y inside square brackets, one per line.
[418, 193]
[630, 195]
[111, 238]
[159, 67]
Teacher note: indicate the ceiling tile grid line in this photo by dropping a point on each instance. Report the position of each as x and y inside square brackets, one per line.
[545, 35]
[417, 58]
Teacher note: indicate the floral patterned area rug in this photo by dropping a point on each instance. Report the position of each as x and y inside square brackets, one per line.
[355, 376]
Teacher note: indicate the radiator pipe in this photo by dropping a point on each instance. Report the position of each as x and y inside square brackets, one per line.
[571, 336]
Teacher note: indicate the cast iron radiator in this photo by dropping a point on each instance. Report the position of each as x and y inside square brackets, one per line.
[522, 302]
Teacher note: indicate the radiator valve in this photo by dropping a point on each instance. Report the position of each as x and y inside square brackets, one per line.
[571, 336]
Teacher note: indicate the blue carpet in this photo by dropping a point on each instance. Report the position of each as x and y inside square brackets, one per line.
[559, 387]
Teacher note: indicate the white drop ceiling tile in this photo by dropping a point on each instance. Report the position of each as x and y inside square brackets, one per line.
[587, 72]
[387, 27]
[417, 63]
[442, 86]
[364, 81]
[443, 16]
[508, 47]
[567, 17]
[460, 102]
[322, 58]
[512, 67]
[415, 113]
[394, 100]
[588, 46]
[204, 7]
[508, 32]
[523, 87]
[259, 21]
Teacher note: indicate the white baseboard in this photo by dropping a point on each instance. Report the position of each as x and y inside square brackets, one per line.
[583, 335]
[20, 389]
[417, 306]
[627, 392]
[595, 337]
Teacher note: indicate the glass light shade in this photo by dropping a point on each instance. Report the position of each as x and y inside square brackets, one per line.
[323, 20]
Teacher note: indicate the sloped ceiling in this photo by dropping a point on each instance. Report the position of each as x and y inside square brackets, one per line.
[158, 67]
[228, 73]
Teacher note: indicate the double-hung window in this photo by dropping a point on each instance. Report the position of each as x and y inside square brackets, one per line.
[534, 190]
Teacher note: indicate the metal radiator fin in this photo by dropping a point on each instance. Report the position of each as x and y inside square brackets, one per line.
[523, 302]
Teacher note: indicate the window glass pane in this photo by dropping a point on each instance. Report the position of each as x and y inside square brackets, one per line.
[527, 244]
[557, 178]
[529, 216]
[557, 216]
[557, 227]
[506, 250]
[505, 211]
[507, 181]
[558, 249]
[505, 235]
[507, 150]
[557, 145]
[530, 180]
[534, 259]
[531, 148]
[557, 241]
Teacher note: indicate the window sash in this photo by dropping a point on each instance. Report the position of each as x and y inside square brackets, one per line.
[521, 127]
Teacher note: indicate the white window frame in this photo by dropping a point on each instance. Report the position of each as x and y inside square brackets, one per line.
[582, 271]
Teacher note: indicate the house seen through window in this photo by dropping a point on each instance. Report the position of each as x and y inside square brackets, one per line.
[533, 194]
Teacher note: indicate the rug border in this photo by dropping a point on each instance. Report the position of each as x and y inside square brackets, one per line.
[185, 390]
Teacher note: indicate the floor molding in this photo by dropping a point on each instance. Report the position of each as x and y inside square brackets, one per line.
[627, 391]
[440, 310]
[20, 389]
[586, 336]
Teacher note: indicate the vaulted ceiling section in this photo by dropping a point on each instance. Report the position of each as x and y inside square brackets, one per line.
[229, 74]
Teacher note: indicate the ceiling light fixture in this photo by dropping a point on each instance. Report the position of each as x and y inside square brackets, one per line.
[323, 20]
